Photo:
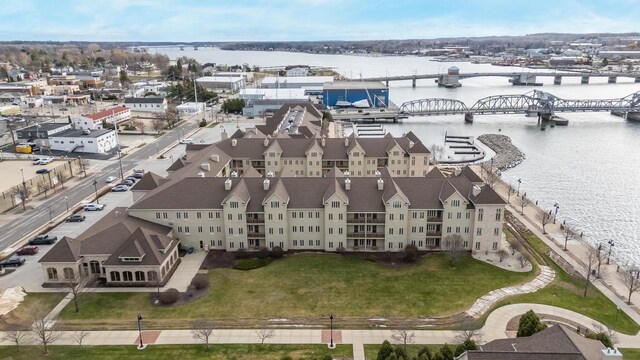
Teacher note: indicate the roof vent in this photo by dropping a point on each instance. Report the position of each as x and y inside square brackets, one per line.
[234, 142]
[378, 173]
[201, 173]
[457, 171]
[266, 142]
[215, 157]
[269, 174]
[347, 173]
[411, 143]
[380, 184]
[227, 184]
[476, 190]
[265, 184]
[234, 173]
[610, 354]
[346, 141]
[323, 141]
[224, 135]
[347, 184]
[205, 166]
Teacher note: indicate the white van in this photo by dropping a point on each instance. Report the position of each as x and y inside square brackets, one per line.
[42, 161]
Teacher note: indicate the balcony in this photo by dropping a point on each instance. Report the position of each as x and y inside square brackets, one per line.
[255, 235]
[362, 235]
[434, 233]
[434, 218]
[362, 220]
[255, 221]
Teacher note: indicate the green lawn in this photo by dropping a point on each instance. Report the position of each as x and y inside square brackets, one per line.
[630, 354]
[19, 317]
[311, 285]
[183, 352]
[566, 292]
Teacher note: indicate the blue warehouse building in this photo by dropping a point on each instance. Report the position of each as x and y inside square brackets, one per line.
[355, 93]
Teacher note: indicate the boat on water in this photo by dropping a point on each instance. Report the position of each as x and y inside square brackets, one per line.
[361, 104]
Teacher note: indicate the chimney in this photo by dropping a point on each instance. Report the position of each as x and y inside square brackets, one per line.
[346, 141]
[201, 174]
[205, 166]
[380, 184]
[265, 184]
[234, 173]
[457, 171]
[266, 142]
[269, 174]
[378, 173]
[227, 184]
[323, 142]
[611, 354]
[347, 173]
[234, 142]
[224, 135]
[215, 157]
[347, 184]
[411, 143]
[476, 190]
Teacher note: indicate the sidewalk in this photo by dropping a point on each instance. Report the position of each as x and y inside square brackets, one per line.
[576, 250]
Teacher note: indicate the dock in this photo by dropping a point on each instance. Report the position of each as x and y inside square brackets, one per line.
[369, 130]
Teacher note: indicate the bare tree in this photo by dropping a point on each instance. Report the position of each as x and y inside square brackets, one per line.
[158, 124]
[569, 234]
[467, 332]
[454, 246]
[77, 285]
[16, 337]
[545, 218]
[202, 330]
[522, 202]
[436, 152]
[264, 334]
[502, 254]
[588, 266]
[631, 280]
[513, 247]
[404, 336]
[170, 117]
[491, 178]
[139, 124]
[21, 192]
[41, 326]
[79, 337]
[44, 185]
[523, 260]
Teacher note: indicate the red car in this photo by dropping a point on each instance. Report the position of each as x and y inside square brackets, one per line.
[28, 250]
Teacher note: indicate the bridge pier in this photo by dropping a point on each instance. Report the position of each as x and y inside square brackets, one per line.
[584, 80]
[387, 83]
[613, 79]
[468, 117]
[413, 82]
[557, 80]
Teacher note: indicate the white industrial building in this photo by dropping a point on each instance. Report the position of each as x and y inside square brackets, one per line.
[94, 121]
[146, 104]
[84, 141]
[273, 94]
[190, 108]
[311, 84]
[297, 71]
[222, 83]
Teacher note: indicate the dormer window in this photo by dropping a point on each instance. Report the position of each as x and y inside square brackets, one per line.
[131, 259]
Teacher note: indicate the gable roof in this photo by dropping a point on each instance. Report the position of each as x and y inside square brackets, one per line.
[144, 100]
[470, 174]
[65, 250]
[148, 182]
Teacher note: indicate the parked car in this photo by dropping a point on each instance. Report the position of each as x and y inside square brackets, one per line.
[131, 178]
[126, 182]
[138, 175]
[43, 171]
[12, 261]
[120, 188]
[186, 141]
[28, 250]
[43, 240]
[42, 161]
[111, 178]
[93, 207]
[64, 109]
[76, 218]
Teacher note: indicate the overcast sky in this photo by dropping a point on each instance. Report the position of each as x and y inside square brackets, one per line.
[261, 20]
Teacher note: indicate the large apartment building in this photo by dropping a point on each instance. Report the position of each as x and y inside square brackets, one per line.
[252, 191]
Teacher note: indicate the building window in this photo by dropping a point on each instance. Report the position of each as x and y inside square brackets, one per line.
[152, 276]
[498, 214]
[480, 214]
[477, 246]
[397, 204]
[495, 246]
[295, 242]
[199, 215]
[496, 231]
[331, 244]
[465, 244]
[448, 229]
[52, 273]
[115, 276]
[459, 215]
[455, 203]
[127, 276]
[94, 266]
[68, 273]
[479, 231]
[335, 204]
[234, 204]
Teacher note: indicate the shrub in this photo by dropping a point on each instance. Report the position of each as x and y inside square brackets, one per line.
[262, 254]
[242, 253]
[466, 346]
[604, 338]
[277, 252]
[385, 351]
[410, 253]
[169, 296]
[326, 357]
[202, 123]
[446, 352]
[424, 351]
[200, 281]
[341, 250]
[250, 264]
[286, 357]
[530, 324]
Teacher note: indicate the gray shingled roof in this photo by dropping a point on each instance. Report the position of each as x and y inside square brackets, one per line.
[148, 182]
[144, 100]
[65, 250]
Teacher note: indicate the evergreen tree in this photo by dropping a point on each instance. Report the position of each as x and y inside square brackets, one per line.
[530, 324]
[385, 351]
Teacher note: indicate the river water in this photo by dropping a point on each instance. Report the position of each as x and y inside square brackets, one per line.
[591, 168]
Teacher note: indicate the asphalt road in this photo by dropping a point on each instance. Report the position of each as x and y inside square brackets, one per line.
[56, 205]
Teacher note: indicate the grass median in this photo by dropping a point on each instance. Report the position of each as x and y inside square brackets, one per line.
[310, 285]
[183, 352]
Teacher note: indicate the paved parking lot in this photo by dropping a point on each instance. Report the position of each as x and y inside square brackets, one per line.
[12, 175]
[30, 275]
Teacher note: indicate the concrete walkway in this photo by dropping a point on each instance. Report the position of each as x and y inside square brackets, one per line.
[485, 302]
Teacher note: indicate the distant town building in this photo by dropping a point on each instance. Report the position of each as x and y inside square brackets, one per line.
[272, 94]
[190, 108]
[297, 70]
[84, 141]
[94, 121]
[222, 83]
[146, 104]
[311, 84]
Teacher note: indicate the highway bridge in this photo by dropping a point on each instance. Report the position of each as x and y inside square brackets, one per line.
[452, 78]
[531, 103]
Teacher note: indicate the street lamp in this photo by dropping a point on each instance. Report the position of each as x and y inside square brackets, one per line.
[141, 346]
[519, 182]
[599, 259]
[120, 163]
[66, 201]
[24, 191]
[331, 344]
[95, 186]
[611, 244]
[557, 206]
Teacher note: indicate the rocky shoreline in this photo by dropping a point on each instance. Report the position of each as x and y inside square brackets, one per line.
[507, 154]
